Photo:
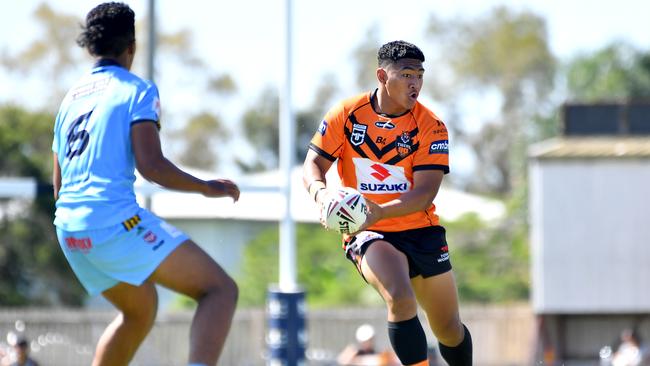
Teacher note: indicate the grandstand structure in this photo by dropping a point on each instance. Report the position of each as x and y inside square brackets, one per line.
[590, 230]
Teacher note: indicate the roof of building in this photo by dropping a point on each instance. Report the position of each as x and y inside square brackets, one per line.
[592, 148]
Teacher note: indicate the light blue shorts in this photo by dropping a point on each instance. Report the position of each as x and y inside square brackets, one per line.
[128, 252]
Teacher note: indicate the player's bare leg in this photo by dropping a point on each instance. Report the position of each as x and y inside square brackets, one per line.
[386, 269]
[438, 298]
[190, 271]
[121, 339]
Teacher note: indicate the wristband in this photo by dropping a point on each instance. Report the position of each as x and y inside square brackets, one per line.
[316, 193]
[311, 184]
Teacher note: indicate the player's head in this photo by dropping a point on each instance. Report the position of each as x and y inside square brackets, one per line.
[22, 349]
[400, 73]
[109, 30]
[365, 334]
[394, 51]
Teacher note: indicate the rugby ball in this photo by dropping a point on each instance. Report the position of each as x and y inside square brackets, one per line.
[345, 211]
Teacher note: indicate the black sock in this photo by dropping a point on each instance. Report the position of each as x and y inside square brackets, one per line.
[408, 340]
[461, 355]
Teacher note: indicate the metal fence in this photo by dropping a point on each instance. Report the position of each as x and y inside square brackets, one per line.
[503, 335]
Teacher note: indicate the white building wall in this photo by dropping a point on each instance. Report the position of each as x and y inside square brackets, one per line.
[590, 232]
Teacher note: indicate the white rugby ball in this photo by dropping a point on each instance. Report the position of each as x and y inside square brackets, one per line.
[346, 210]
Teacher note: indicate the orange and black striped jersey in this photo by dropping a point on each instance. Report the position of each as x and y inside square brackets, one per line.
[378, 154]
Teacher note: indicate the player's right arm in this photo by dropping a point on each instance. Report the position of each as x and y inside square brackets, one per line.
[314, 169]
[56, 175]
[155, 167]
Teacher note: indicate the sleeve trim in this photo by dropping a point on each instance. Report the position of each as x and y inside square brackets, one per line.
[444, 168]
[321, 152]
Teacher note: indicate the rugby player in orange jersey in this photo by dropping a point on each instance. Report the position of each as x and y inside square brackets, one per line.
[395, 152]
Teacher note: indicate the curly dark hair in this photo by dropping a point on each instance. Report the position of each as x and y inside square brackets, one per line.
[109, 29]
[397, 50]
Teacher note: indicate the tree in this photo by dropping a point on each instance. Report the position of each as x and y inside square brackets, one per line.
[262, 127]
[327, 276]
[198, 137]
[32, 267]
[504, 55]
[617, 71]
[54, 59]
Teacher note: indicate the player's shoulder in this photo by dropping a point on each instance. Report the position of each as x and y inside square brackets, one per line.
[427, 119]
[136, 81]
[350, 104]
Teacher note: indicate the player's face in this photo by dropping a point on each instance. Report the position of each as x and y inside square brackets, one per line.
[404, 82]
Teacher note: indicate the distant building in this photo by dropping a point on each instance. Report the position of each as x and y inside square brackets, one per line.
[590, 230]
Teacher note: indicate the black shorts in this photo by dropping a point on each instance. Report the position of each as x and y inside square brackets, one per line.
[425, 248]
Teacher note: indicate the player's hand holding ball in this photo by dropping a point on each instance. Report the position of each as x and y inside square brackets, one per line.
[343, 210]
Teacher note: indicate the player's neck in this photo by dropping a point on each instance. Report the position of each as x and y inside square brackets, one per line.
[383, 106]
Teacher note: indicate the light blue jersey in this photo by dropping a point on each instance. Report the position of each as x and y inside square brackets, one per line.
[92, 137]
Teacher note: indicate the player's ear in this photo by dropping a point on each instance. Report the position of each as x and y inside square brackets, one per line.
[131, 48]
[382, 76]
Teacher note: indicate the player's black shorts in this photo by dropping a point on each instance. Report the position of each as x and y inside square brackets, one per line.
[425, 248]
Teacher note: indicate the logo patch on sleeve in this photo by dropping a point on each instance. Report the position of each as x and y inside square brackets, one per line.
[439, 147]
[322, 128]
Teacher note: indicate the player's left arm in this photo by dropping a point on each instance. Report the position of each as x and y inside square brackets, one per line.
[56, 175]
[430, 164]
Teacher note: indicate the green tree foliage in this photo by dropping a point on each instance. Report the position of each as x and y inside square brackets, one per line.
[617, 71]
[199, 139]
[32, 267]
[490, 262]
[505, 54]
[327, 276]
[262, 128]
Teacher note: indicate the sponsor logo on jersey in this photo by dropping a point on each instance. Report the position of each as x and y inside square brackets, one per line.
[382, 187]
[132, 222]
[358, 134]
[150, 237]
[380, 172]
[403, 144]
[160, 243]
[385, 125]
[82, 244]
[322, 128]
[439, 147]
[378, 178]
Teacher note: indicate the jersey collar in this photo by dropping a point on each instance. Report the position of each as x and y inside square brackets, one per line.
[103, 62]
[373, 101]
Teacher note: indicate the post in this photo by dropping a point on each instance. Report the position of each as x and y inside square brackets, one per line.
[286, 338]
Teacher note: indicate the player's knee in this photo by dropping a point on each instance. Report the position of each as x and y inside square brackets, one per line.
[450, 331]
[144, 312]
[230, 289]
[401, 302]
[222, 286]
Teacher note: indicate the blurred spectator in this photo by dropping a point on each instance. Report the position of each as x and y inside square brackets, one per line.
[631, 351]
[21, 349]
[364, 353]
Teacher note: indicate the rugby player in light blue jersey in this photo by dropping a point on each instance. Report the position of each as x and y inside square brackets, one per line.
[107, 127]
